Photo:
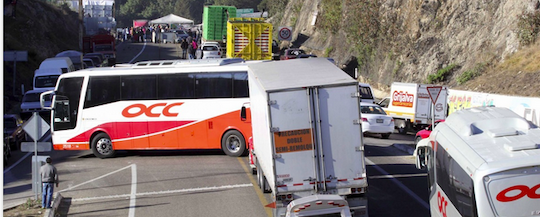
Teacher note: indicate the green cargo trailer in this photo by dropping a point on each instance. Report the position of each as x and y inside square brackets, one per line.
[215, 21]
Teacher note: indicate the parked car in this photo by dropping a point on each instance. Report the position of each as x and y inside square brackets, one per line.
[180, 34]
[291, 53]
[13, 132]
[30, 101]
[102, 59]
[375, 120]
[210, 51]
[89, 63]
[422, 134]
[95, 59]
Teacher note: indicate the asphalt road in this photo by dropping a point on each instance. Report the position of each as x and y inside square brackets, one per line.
[200, 183]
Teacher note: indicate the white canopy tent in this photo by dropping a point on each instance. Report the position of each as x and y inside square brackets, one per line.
[171, 19]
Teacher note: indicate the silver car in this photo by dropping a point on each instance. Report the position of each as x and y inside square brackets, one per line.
[210, 51]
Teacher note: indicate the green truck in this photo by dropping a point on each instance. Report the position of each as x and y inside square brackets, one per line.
[215, 22]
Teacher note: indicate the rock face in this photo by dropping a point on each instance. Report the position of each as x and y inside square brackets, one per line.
[416, 38]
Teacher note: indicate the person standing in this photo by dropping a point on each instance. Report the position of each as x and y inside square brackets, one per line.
[49, 177]
[190, 51]
[184, 45]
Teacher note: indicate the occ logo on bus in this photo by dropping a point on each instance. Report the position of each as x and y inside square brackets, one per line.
[523, 191]
[442, 203]
[139, 109]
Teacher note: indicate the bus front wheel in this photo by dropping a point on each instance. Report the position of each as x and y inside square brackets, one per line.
[233, 144]
[102, 146]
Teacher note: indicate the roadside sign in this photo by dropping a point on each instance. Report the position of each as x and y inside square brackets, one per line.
[285, 33]
[36, 127]
[17, 55]
[41, 146]
[434, 92]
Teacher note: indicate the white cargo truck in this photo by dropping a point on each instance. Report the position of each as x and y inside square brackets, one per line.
[410, 106]
[482, 161]
[307, 137]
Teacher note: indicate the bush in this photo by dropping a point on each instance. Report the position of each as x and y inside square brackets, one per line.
[528, 27]
[470, 74]
[441, 74]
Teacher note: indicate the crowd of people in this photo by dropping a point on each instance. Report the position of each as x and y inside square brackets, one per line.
[190, 45]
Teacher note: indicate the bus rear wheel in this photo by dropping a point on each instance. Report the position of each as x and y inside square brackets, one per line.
[102, 146]
[233, 144]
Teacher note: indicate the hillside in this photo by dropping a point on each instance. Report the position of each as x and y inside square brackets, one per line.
[391, 40]
[488, 46]
[41, 29]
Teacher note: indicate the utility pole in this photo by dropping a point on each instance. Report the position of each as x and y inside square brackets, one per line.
[81, 21]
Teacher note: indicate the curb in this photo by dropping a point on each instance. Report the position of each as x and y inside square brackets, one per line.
[55, 204]
[404, 147]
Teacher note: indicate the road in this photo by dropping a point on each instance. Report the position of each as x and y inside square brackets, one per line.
[201, 183]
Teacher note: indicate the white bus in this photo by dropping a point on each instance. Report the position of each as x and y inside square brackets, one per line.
[172, 104]
[482, 162]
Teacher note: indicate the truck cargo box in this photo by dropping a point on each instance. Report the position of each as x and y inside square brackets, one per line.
[307, 137]
[215, 21]
[249, 38]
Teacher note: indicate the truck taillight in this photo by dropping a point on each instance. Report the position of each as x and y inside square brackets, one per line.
[358, 190]
[285, 197]
[364, 120]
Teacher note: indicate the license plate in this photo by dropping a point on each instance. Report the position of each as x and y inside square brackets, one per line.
[380, 120]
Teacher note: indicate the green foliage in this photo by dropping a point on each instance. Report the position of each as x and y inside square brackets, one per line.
[327, 51]
[364, 28]
[441, 74]
[331, 16]
[397, 67]
[528, 27]
[472, 73]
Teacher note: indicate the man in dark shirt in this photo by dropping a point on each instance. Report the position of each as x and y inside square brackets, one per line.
[49, 177]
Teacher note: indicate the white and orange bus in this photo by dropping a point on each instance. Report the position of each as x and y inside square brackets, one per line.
[152, 105]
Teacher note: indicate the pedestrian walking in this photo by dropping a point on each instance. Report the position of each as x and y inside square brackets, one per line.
[49, 177]
[184, 45]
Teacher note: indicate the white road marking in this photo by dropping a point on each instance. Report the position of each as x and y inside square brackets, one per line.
[399, 184]
[144, 46]
[215, 188]
[89, 181]
[133, 190]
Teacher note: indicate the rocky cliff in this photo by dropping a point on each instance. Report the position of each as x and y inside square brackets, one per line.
[423, 41]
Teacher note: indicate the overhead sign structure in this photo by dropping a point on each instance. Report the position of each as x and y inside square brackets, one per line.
[434, 92]
[285, 33]
[36, 127]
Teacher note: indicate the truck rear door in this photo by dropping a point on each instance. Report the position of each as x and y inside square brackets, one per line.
[292, 133]
[338, 116]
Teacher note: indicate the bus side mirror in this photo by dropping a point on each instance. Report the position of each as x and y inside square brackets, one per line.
[50, 94]
[422, 153]
[421, 158]
[243, 113]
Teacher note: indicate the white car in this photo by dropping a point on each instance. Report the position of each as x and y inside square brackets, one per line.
[210, 51]
[375, 120]
[30, 101]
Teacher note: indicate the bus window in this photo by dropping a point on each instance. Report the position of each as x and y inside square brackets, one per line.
[176, 86]
[138, 87]
[213, 85]
[102, 90]
[455, 183]
[240, 85]
[69, 90]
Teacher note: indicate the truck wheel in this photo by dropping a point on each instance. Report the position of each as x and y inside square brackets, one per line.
[102, 146]
[233, 144]
[261, 181]
[402, 127]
